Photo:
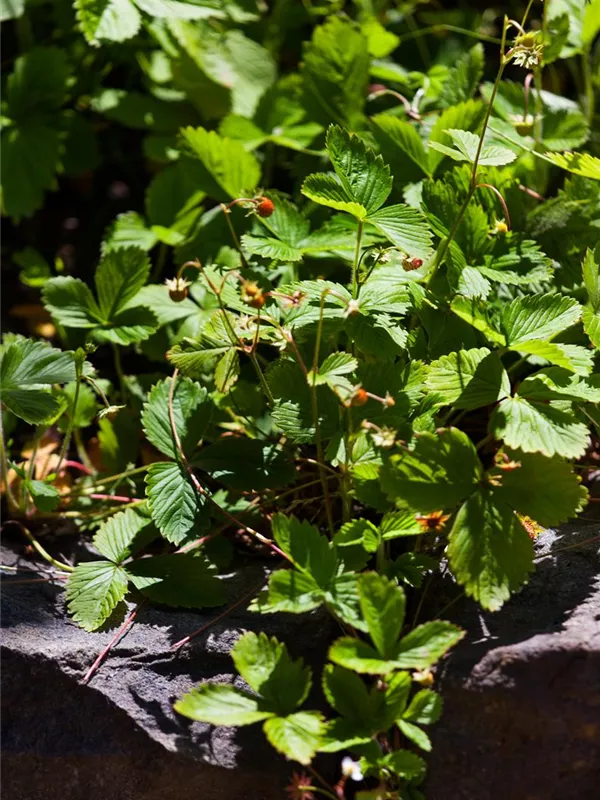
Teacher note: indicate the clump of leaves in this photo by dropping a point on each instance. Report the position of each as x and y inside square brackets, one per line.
[384, 361]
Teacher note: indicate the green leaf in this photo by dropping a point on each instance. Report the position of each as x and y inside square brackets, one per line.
[405, 764]
[559, 384]
[415, 734]
[335, 71]
[44, 496]
[123, 534]
[364, 176]
[108, 20]
[489, 551]
[228, 170]
[360, 657]
[544, 489]
[425, 708]
[569, 356]
[405, 227]
[348, 695]
[333, 367]
[466, 146]
[180, 9]
[191, 412]
[94, 590]
[468, 379]
[220, 704]
[298, 736]
[142, 110]
[466, 116]
[227, 371]
[326, 189]
[538, 317]
[539, 428]
[474, 312]
[183, 580]
[172, 499]
[11, 9]
[26, 366]
[358, 532]
[591, 324]
[291, 591]
[118, 278]
[127, 231]
[426, 644]
[309, 550]
[37, 85]
[440, 472]
[157, 299]
[464, 77]
[382, 604]
[591, 277]
[70, 302]
[32, 150]
[399, 140]
[248, 464]
[265, 665]
[583, 164]
[399, 523]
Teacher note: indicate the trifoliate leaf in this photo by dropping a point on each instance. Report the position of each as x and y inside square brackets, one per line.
[118, 279]
[94, 590]
[298, 736]
[466, 146]
[124, 534]
[265, 664]
[183, 580]
[438, 473]
[192, 412]
[220, 704]
[465, 116]
[544, 489]
[539, 428]
[469, 378]
[333, 367]
[309, 550]
[173, 501]
[464, 77]
[489, 551]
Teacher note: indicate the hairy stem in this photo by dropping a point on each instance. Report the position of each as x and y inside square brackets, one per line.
[44, 553]
[359, 234]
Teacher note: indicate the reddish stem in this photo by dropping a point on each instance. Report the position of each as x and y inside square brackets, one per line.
[76, 465]
[502, 200]
[122, 630]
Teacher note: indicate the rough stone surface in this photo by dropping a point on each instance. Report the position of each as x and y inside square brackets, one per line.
[522, 696]
[119, 736]
[522, 692]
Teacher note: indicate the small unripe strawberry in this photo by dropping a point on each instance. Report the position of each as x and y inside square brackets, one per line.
[360, 398]
[265, 207]
[409, 264]
[253, 294]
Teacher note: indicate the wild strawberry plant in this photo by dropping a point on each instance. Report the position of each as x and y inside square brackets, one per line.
[353, 329]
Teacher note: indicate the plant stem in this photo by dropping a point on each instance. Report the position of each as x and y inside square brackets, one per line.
[122, 630]
[444, 246]
[119, 371]
[67, 440]
[359, 234]
[44, 553]
[12, 502]
[234, 236]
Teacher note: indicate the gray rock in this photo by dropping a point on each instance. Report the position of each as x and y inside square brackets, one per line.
[522, 692]
[119, 734]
